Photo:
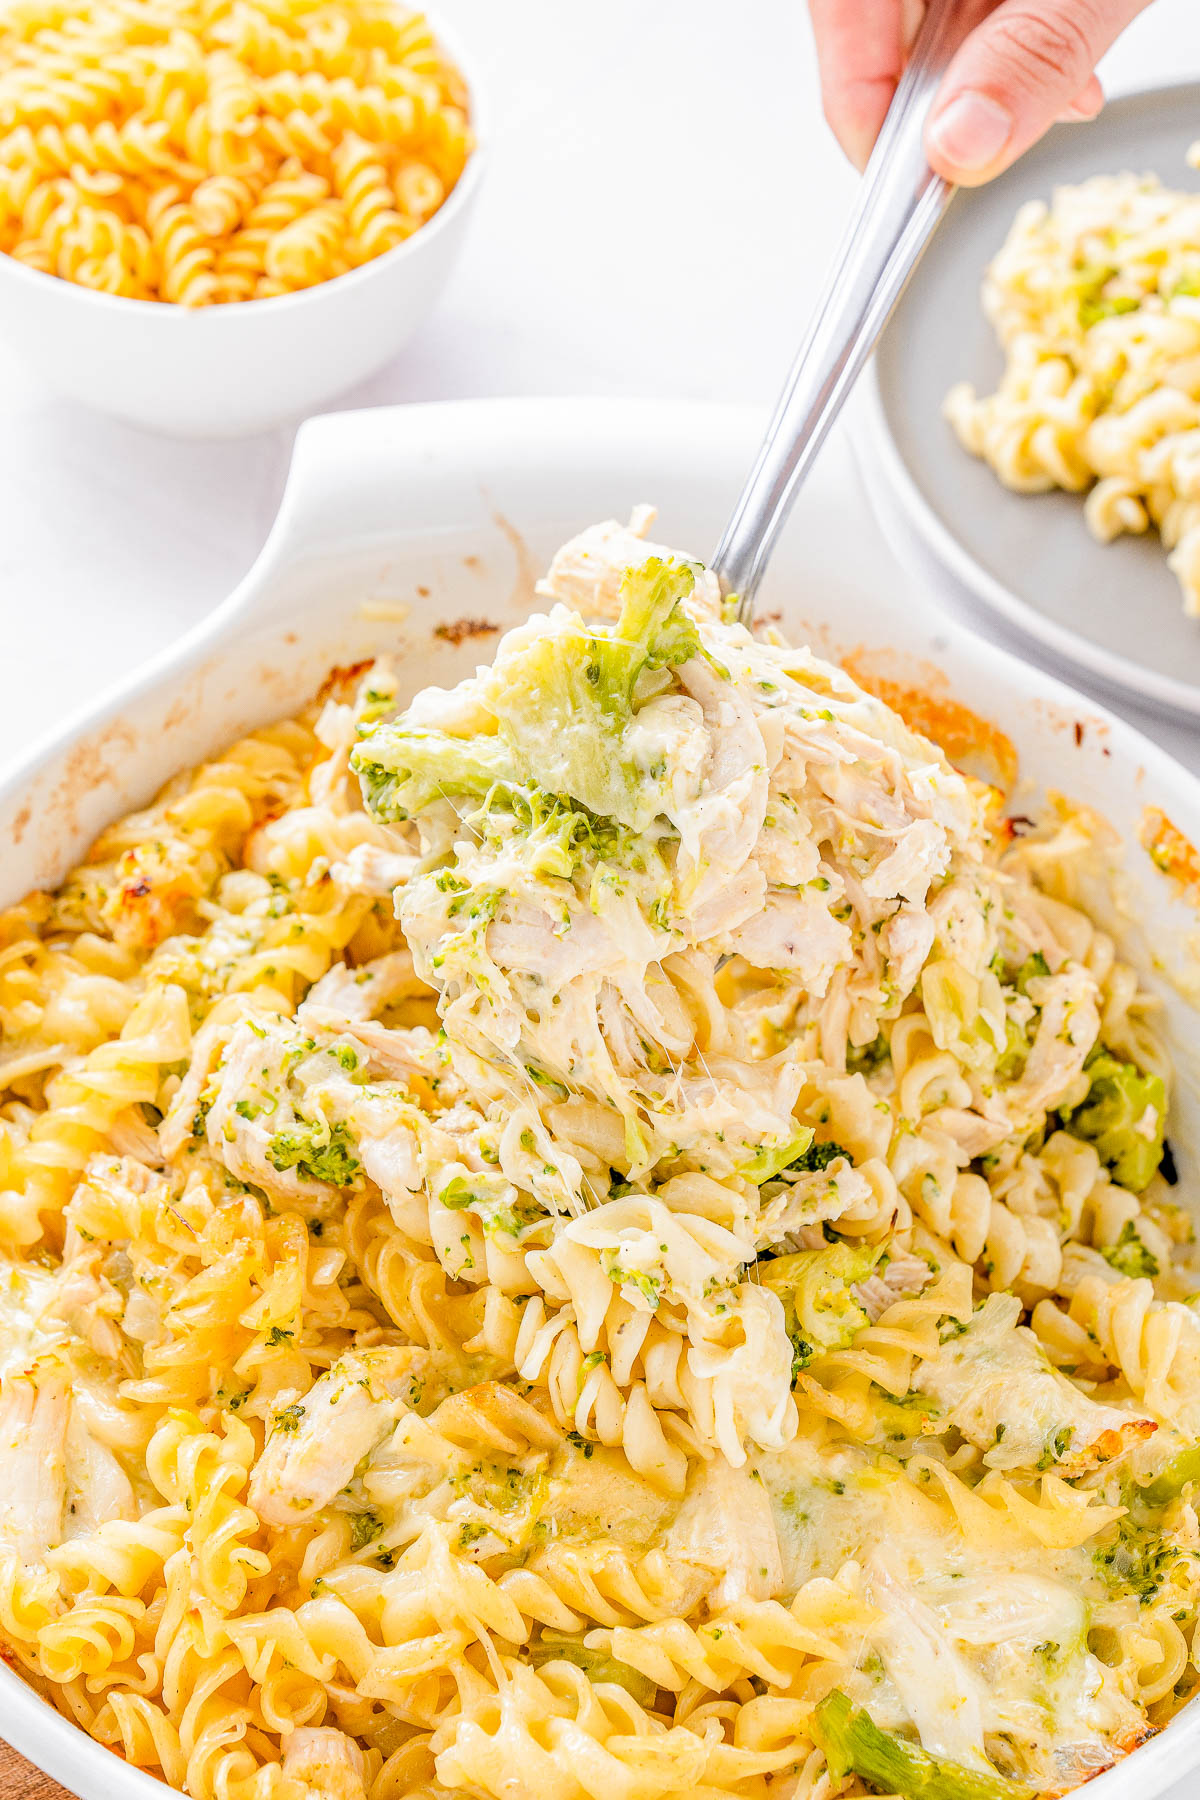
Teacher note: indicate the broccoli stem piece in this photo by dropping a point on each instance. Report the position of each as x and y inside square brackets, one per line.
[769, 1159]
[854, 1744]
[816, 1289]
[595, 1665]
[403, 769]
[1170, 1482]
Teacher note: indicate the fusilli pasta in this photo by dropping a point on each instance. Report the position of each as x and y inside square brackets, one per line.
[232, 150]
[1096, 302]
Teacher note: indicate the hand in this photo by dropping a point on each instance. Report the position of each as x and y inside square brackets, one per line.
[1029, 63]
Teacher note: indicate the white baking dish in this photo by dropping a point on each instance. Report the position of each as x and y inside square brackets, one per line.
[443, 515]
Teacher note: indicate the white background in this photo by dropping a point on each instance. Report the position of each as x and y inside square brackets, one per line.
[662, 200]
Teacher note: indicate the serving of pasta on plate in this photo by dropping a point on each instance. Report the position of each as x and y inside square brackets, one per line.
[609, 1231]
[1095, 300]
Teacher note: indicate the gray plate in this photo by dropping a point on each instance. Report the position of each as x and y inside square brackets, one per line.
[1112, 610]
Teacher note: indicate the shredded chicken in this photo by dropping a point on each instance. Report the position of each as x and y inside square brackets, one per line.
[998, 1388]
[322, 1763]
[34, 1414]
[318, 1441]
[725, 1523]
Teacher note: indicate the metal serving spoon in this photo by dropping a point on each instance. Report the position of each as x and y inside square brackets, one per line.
[900, 203]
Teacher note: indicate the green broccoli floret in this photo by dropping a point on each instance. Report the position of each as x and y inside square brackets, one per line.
[819, 1309]
[854, 1744]
[1137, 1560]
[817, 1156]
[561, 701]
[365, 1527]
[653, 631]
[565, 699]
[864, 1059]
[1123, 1115]
[1015, 1054]
[1092, 311]
[1056, 1445]
[1129, 1255]
[1088, 284]
[320, 1152]
[1032, 969]
[485, 1194]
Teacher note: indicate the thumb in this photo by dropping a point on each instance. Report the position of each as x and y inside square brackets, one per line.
[1012, 78]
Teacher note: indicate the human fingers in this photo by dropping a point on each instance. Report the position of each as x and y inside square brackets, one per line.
[860, 53]
[1086, 104]
[1023, 66]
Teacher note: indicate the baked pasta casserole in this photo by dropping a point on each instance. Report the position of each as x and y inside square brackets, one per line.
[605, 1234]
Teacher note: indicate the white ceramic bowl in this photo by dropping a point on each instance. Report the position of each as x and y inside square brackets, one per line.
[446, 513]
[226, 371]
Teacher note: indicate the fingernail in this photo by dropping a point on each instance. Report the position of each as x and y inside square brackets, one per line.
[972, 131]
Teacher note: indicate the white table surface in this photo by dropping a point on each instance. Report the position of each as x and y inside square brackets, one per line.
[663, 199]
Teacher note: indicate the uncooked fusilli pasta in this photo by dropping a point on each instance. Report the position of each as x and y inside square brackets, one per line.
[206, 152]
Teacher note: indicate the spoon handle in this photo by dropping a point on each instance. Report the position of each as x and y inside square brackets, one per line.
[900, 201]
